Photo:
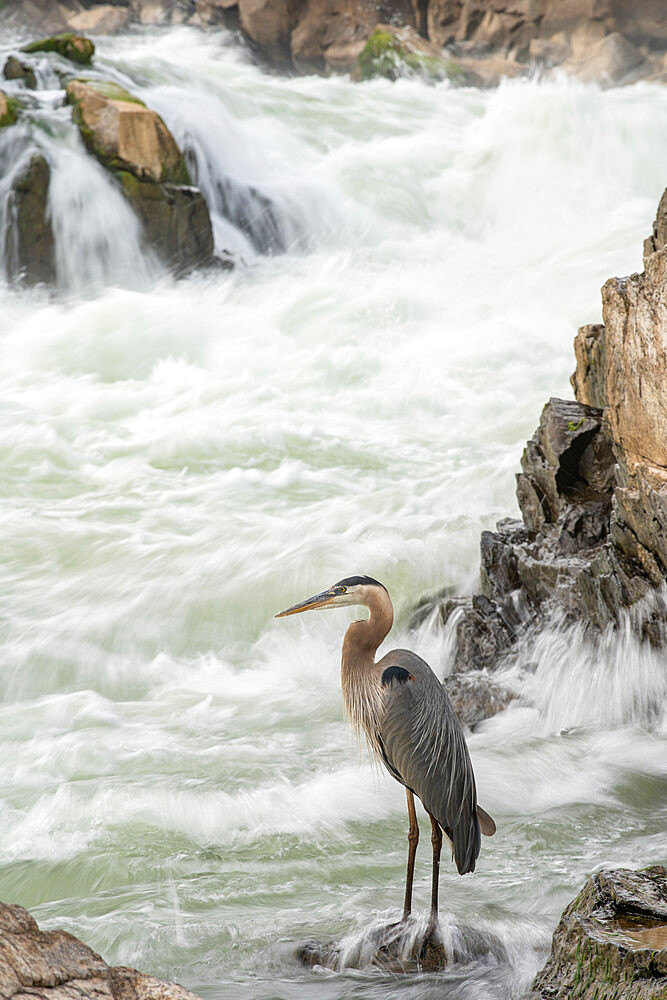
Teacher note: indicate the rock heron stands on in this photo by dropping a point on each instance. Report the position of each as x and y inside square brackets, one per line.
[409, 722]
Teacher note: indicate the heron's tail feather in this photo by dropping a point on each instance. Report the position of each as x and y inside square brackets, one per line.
[486, 823]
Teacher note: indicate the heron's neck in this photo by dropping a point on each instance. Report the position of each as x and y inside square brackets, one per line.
[359, 680]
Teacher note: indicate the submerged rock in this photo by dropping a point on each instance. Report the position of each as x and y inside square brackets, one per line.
[134, 143]
[611, 941]
[77, 48]
[54, 965]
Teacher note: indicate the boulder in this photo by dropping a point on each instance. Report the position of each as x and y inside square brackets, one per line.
[133, 142]
[77, 48]
[8, 110]
[397, 52]
[124, 134]
[14, 69]
[30, 250]
[103, 19]
[611, 941]
[54, 965]
[330, 34]
[268, 24]
[35, 15]
[610, 59]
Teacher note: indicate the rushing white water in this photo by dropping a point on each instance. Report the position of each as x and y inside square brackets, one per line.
[181, 460]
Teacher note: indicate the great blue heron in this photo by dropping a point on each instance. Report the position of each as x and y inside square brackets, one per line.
[411, 726]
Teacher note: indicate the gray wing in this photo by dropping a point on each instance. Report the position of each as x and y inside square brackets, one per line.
[423, 746]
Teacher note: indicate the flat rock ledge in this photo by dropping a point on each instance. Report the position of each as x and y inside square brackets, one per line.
[611, 942]
[54, 965]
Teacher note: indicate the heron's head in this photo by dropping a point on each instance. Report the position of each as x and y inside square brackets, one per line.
[351, 590]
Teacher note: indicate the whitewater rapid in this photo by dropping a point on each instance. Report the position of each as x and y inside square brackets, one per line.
[181, 460]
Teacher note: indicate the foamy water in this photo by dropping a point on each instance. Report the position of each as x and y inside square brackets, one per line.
[181, 460]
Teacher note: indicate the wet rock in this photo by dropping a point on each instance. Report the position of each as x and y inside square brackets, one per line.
[8, 110]
[30, 249]
[175, 221]
[476, 697]
[394, 52]
[132, 141]
[611, 940]
[54, 965]
[124, 134]
[403, 946]
[592, 546]
[77, 48]
[14, 69]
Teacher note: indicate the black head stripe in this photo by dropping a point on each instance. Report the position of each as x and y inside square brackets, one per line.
[399, 674]
[353, 581]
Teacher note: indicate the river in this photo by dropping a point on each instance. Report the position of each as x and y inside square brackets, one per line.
[183, 459]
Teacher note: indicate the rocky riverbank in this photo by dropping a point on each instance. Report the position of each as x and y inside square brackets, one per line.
[611, 941]
[592, 546]
[613, 41]
[54, 965]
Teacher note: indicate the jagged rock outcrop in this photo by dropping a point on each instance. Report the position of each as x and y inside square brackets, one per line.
[54, 965]
[592, 491]
[611, 941]
[132, 141]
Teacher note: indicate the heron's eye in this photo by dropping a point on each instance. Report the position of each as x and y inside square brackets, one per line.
[342, 590]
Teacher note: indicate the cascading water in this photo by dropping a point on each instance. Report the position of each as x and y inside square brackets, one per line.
[180, 460]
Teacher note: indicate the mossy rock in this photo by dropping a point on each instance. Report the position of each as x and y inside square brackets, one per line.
[78, 48]
[107, 88]
[14, 69]
[394, 53]
[147, 149]
[9, 109]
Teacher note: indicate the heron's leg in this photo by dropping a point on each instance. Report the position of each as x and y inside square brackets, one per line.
[436, 840]
[413, 840]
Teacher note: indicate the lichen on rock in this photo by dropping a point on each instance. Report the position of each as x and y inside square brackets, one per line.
[68, 44]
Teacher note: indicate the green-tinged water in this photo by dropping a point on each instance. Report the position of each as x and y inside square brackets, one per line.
[181, 460]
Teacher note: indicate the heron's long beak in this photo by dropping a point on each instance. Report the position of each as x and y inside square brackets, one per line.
[322, 600]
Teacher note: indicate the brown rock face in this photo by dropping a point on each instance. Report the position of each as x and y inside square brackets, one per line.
[54, 965]
[592, 490]
[124, 134]
[330, 34]
[611, 941]
[134, 143]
